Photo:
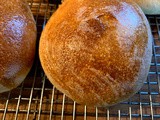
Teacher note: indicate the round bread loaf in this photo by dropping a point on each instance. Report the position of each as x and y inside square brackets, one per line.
[97, 52]
[17, 42]
[149, 6]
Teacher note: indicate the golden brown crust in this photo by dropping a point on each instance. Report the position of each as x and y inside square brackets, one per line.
[17, 42]
[97, 52]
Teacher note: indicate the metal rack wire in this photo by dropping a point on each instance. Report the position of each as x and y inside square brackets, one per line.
[37, 99]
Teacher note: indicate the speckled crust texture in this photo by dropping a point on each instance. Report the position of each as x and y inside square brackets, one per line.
[149, 6]
[95, 51]
[17, 42]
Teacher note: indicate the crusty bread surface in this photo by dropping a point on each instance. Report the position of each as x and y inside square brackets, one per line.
[17, 42]
[97, 52]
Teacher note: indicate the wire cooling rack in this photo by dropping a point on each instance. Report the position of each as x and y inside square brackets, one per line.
[37, 99]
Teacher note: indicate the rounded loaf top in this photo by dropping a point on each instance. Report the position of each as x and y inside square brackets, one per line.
[17, 42]
[97, 52]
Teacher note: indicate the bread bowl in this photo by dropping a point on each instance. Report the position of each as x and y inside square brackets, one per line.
[17, 42]
[97, 52]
